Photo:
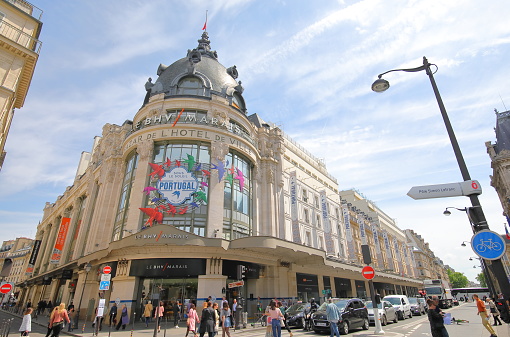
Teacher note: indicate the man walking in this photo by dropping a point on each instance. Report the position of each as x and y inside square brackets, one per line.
[483, 314]
[333, 315]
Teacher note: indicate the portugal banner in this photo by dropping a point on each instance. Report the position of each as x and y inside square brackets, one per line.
[61, 239]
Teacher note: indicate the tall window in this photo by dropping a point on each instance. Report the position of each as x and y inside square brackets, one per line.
[190, 86]
[237, 198]
[193, 221]
[123, 207]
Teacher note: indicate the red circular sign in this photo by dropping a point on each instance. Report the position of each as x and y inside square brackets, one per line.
[368, 272]
[5, 288]
[107, 270]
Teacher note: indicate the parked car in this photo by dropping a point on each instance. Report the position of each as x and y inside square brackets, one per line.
[296, 315]
[425, 306]
[417, 307]
[354, 315]
[386, 311]
[401, 304]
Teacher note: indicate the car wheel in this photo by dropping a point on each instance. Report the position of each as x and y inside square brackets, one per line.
[344, 328]
[401, 315]
[384, 321]
[395, 320]
[366, 324]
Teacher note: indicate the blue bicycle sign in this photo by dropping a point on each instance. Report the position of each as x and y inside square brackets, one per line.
[488, 245]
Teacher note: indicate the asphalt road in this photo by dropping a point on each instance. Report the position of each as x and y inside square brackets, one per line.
[418, 326]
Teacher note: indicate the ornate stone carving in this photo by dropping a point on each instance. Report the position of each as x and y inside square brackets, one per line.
[221, 116]
[145, 149]
[219, 150]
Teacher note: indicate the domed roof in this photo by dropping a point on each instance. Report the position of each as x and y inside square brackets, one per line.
[200, 63]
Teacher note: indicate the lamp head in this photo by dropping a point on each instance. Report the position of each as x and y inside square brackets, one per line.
[470, 259]
[380, 85]
[463, 245]
[447, 212]
[88, 267]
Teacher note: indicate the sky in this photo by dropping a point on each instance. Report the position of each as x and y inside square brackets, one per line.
[308, 67]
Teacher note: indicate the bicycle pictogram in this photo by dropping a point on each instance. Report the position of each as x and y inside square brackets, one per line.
[488, 244]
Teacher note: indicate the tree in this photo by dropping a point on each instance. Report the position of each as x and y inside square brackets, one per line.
[457, 279]
[481, 278]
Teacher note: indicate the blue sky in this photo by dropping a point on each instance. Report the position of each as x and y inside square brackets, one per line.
[306, 66]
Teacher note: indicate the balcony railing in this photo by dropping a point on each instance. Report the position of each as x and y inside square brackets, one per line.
[17, 35]
[28, 8]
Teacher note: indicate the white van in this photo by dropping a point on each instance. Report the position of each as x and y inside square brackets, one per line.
[401, 304]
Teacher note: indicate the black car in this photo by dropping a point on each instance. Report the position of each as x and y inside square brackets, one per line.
[354, 315]
[296, 315]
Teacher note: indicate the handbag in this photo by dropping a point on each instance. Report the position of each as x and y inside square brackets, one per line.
[57, 323]
[493, 310]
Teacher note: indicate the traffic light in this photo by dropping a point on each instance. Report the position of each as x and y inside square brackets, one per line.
[241, 272]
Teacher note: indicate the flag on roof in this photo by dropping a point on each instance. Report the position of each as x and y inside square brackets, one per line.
[507, 234]
[205, 24]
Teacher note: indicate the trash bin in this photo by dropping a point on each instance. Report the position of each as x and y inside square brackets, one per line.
[245, 320]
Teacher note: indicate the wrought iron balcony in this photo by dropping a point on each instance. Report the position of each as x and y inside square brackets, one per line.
[17, 35]
[27, 7]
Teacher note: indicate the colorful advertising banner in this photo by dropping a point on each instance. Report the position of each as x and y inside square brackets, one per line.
[293, 207]
[377, 244]
[61, 239]
[330, 248]
[348, 232]
[397, 255]
[33, 257]
[389, 256]
[362, 233]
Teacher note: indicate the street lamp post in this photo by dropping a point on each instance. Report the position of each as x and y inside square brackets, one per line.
[478, 217]
[87, 269]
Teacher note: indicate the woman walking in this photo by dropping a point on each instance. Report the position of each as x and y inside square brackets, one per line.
[226, 323]
[58, 320]
[494, 311]
[26, 324]
[48, 332]
[283, 311]
[124, 318]
[147, 313]
[436, 320]
[158, 314]
[191, 322]
[276, 315]
[216, 318]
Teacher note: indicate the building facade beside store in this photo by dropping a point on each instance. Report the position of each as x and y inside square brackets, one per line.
[193, 195]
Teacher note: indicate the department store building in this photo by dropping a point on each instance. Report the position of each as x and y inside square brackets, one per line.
[194, 190]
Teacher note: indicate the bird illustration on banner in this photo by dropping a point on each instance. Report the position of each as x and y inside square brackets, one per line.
[154, 215]
[240, 178]
[157, 170]
[220, 167]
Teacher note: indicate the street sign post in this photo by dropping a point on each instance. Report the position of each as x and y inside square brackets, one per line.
[104, 285]
[368, 272]
[464, 188]
[107, 270]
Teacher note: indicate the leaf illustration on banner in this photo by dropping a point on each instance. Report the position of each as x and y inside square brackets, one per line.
[240, 177]
[158, 170]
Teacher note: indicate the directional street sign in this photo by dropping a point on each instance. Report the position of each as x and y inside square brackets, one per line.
[488, 245]
[465, 188]
[106, 277]
[368, 272]
[236, 284]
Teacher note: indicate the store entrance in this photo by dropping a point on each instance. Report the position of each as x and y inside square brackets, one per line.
[168, 291]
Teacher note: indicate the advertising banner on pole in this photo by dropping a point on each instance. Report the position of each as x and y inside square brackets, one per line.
[61, 239]
[296, 237]
[33, 257]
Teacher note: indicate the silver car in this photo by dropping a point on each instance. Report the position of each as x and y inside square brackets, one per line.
[386, 310]
[417, 306]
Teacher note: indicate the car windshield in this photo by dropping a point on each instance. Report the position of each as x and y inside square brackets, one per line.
[421, 300]
[434, 291]
[413, 300]
[339, 303]
[393, 300]
[296, 307]
[369, 305]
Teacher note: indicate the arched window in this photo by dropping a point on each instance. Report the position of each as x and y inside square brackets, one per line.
[190, 86]
[238, 102]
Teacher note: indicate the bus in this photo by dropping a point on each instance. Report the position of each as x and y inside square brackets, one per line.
[461, 293]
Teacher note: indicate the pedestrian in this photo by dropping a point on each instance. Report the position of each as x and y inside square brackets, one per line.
[49, 306]
[72, 318]
[435, 299]
[124, 318]
[483, 314]
[58, 320]
[283, 310]
[147, 313]
[276, 315]
[494, 311]
[216, 318]
[159, 313]
[333, 315]
[234, 317]
[26, 324]
[436, 319]
[48, 332]
[191, 322]
[207, 321]
[226, 319]
[113, 315]
[177, 313]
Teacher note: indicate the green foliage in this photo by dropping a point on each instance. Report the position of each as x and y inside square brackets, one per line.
[457, 279]
[481, 278]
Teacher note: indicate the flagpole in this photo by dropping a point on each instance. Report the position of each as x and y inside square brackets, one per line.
[205, 24]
